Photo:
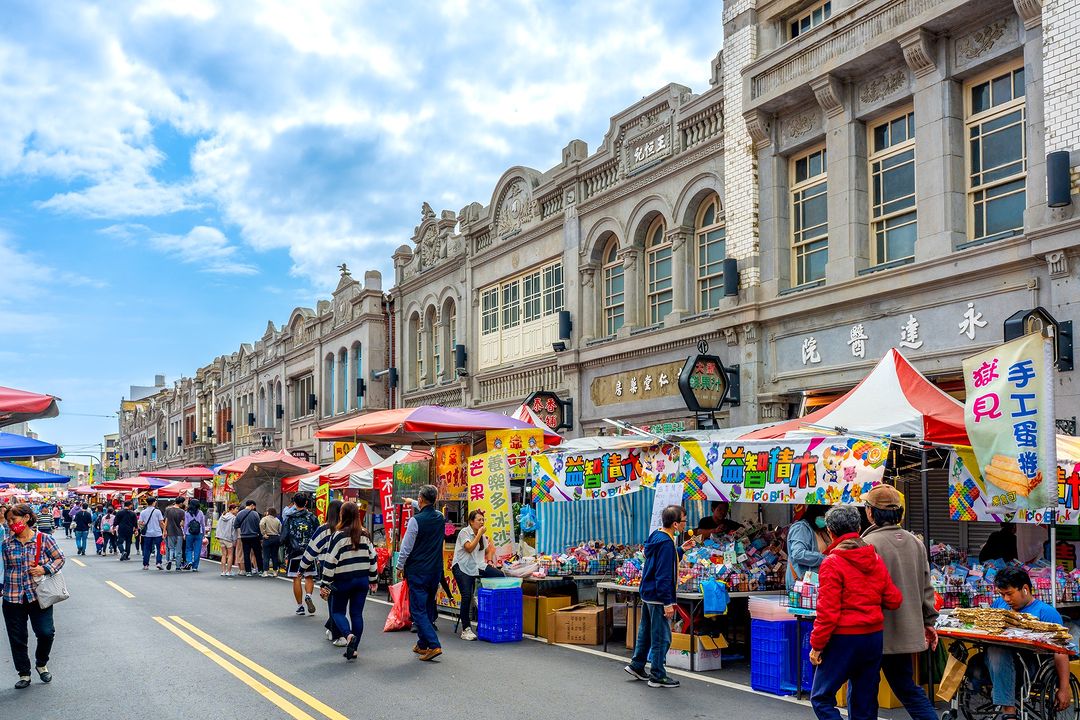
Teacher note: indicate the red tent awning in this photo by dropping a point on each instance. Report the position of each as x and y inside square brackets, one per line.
[359, 458]
[176, 489]
[424, 423]
[130, 483]
[894, 399]
[198, 472]
[267, 458]
[18, 406]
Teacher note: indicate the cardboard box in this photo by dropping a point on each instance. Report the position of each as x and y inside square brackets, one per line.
[708, 648]
[579, 625]
[547, 606]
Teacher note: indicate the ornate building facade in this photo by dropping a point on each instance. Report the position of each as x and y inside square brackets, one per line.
[876, 169]
[275, 392]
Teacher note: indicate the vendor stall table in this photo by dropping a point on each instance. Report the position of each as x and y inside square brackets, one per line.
[694, 598]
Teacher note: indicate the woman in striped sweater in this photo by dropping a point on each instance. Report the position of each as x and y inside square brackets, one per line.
[350, 568]
[315, 555]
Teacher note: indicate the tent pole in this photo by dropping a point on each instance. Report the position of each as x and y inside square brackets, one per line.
[925, 501]
[1053, 559]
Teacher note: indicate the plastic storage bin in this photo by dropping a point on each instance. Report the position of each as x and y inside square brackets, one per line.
[500, 583]
[772, 662]
[807, 667]
[499, 614]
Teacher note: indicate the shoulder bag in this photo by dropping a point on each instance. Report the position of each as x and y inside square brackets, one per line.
[51, 588]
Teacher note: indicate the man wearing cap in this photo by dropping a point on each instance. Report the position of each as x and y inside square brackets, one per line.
[909, 629]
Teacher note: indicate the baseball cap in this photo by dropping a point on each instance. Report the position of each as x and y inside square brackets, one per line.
[884, 497]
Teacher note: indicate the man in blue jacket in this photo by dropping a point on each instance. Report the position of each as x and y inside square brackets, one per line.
[421, 560]
[658, 581]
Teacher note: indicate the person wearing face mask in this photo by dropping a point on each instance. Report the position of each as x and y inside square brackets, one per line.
[807, 541]
[25, 561]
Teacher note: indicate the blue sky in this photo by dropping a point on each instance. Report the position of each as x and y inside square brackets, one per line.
[173, 175]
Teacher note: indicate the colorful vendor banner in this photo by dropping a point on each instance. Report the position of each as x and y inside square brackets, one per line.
[322, 500]
[810, 471]
[518, 445]
[596, 474]
[450, 471]
[489, 491]
[385, 483]
[971, 499]
[1009, 417]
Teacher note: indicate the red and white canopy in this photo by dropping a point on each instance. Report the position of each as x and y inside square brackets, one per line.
[359, 458]
[365, 479]
[894, 399]
[176, 489]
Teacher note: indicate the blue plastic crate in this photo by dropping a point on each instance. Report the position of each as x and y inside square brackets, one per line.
[807, 667]
[499, 615]
[772, 662]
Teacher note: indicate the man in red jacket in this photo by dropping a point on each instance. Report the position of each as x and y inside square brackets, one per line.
[846, 640]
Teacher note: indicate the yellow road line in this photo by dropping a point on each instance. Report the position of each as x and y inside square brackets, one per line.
[80, 563]
[259, 669]
[248, 680]
[119, 589]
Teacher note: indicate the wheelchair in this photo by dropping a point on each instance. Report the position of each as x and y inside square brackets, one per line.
[1036, 680]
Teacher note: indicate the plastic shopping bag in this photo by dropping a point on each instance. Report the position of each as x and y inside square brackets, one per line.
[382, 556]
[398, 618]
[716, 597]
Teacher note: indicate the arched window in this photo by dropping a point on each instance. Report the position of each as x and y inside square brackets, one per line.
[417, 336]
[262, 407]
[711, 242]
[658, 272]
[358, 372]
[435, 356]
[279, 399]
[450, 339]
[328, 387]
[343, 381]
[613, 288]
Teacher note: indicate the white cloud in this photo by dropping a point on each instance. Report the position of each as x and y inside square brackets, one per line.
[317, 128]
[204, 246]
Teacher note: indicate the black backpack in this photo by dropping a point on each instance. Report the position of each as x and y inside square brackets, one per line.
[300, 526]
[194, 527]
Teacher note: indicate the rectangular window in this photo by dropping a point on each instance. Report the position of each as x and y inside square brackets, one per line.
[532, 293]
[711, 254]
[302, 390]
[614, 282]
[893, 222]
[489, 311]
[436, 353]
[997, 154]
[553, 289]
[420, 377]
[809, 18]
[809, 217]
[511, 304]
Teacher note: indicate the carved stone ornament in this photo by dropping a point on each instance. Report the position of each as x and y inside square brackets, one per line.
[800, 125]
[677, 238]
[1030, 11]
[426, 212]
[588, 274]
[516, 209]
[881, 87]
[476, 297]
[429, 248]
[1057, 264]
[758, 126]
[981, 41]
[918, 47]
[749, 332]
[771, 411]
[829, 93]
[629, 256]
[731, 335]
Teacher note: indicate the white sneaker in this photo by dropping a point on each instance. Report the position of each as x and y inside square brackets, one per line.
[341, 642]
[329, 635]
[468, 634]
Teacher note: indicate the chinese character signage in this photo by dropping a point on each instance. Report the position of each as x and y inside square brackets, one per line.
[1010, 422]
[450, 471]
[703, 383]
[518, 446]
[971, 498]
[816, 470]
[322, 499]
[341, 449]
[489, 491]
[597, 474]
[648, 383]
[408, 477]
[556, 413]
[385, 483]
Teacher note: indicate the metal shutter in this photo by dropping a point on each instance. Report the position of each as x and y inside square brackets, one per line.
[942, 528]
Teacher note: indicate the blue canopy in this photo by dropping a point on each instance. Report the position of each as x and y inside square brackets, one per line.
[20, 446]
[12, 473]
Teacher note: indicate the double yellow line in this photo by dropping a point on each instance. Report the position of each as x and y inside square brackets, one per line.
[290, 708]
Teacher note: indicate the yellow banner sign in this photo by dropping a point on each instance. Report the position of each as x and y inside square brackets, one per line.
[322, 500]
[518, 446]
[341, 449]
[450, 471]
[489, 492]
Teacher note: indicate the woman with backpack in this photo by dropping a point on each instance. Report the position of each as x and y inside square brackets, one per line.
[315, 555]
[348, 573]
[99, 540]
[108, 531]
[195, 529]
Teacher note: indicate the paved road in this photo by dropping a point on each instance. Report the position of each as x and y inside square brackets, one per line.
[202, 646]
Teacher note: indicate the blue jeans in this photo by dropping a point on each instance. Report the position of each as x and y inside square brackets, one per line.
[80, 540]
[174, 550]
[193, 550]
[1002, 666]
[423, 610]
[900, 673]
[848, 658]
[653, 640]
[149, 546]
[347, 606]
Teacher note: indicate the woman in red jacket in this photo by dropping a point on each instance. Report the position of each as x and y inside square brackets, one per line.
[846, 640]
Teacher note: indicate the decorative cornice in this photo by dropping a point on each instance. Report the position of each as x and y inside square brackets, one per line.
[829, 93]
[758, 124]
[1030, 11]
[918, 47]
